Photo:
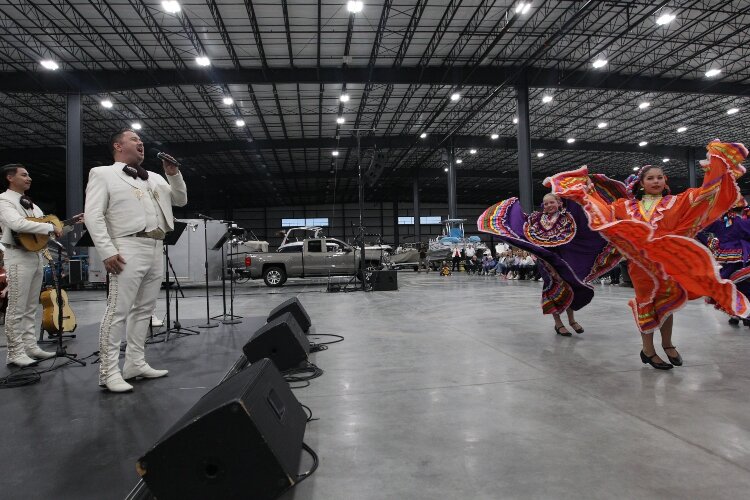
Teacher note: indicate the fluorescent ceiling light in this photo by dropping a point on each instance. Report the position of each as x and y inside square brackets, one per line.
[49, 64]
[681, 129]
[459, 161]
[571, 140]
[334, 153]
[344, 98]
[455, 96]
[732, 111]
[635, 169]
[340, 120]
[515, 120]
[228, 101]
[665, 160]
[240, 123]
[643, 143]
[547, 98]
[599, 63]
[136, 126]
[523, 8]
[106, 103]
[354, 6]
[203, 61]
[665, 18]
[473, 151]
[171, 6]
[423, 135]
[602, 124]
[494, 136]
[713, 72]
[644, 105]
[446, 169]
[539, 154]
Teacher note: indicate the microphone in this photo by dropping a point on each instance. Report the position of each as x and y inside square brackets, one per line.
[164, 156]
[201, 216]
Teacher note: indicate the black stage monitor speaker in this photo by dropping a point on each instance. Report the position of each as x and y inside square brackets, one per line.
[293, 306]
[241, 440]
[383, 281]
[281, 340]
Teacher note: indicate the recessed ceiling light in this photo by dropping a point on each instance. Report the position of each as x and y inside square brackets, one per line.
[571, 140]
[547, 98]
[713, 72]
[644, 105]
[446, 169]
[455, 96]
[635, 169]
[494, 136]
[171, 6]
[643, 143]
[136, 126]
[334, 153]
[459, 161]
[515, 120]
[240, 123]
[665, 160]
[203, 61]
[340, 120]
[523, 8]
[228, 101]
[49, 64]
[354, 6]
[473, 151]
[732, 111]
[423, 135]
[539, 154]
[106, 103]
[681, 129]
[665, 18]
[602, 124]
[344, 98]
[599, 63]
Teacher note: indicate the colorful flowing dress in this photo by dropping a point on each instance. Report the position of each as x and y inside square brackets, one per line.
[667, 265]
[729, 240]
[569, 252]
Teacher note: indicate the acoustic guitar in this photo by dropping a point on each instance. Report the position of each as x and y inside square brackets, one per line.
[51, 310]
[35, 242]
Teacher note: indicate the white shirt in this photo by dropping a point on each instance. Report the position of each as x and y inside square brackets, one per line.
[470, 252]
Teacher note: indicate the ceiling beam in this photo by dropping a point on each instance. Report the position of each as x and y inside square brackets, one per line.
[102, 81]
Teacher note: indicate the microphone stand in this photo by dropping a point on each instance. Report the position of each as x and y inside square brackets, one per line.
[208, 323]
[60, 352]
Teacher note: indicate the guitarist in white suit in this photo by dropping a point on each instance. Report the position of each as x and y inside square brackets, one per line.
[128, 212]
[25, 269]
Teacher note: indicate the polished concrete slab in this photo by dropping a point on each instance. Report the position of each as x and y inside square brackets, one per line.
[451, 387]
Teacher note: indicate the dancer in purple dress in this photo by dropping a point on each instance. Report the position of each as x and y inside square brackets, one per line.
[728, 238]
[570, 255]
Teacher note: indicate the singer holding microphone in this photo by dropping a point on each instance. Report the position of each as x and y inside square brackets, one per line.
[128, 212]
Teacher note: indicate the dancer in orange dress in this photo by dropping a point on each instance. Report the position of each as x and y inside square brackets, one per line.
[654, 230]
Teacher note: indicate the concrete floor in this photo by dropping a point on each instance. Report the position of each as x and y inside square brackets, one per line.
[450, 388]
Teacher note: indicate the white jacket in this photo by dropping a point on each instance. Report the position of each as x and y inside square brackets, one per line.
[115, 204]
[13, 218]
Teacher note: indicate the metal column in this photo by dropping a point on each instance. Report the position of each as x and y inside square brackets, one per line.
[396, 236]
[74, 167]
[525, 191]
[451, 184]
[691, 163]
[417, 227]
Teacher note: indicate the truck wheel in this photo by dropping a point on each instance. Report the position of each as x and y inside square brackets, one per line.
[274, 276]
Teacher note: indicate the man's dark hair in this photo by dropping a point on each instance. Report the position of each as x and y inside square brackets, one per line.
[9, 169]
[117, 137]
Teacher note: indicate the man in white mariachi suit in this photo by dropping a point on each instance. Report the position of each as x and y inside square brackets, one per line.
[128, 212]
[24, 268]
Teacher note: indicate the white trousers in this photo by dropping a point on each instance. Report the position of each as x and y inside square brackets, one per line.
[25, 270]
[130, 304]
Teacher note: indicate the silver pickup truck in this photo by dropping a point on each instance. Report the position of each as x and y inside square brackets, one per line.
[312, 257]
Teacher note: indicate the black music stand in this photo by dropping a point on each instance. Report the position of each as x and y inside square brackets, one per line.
[231, 318]
[208, 323]
[169, 240]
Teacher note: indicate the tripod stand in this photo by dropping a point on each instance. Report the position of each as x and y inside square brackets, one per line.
[60, 352]
[231, 318]
[176, 328]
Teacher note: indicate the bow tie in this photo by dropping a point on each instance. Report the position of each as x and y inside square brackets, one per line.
[26, 202]
[135, 172]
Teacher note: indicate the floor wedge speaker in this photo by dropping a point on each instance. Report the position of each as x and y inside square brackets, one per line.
[280, 340]
[241, 440]
[383, 281]
[293, 306]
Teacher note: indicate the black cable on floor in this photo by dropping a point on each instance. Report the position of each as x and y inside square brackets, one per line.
[309, 413]
[296, 374]
[302, 477]
[339, 338]
[28, 375]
